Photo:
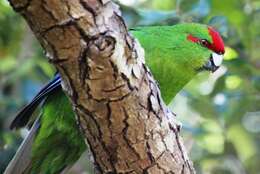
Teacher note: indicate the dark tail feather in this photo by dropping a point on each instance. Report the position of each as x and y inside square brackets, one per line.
[22, 159]
[24, 115]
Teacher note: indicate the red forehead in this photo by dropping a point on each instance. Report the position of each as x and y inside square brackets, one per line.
[217, 42]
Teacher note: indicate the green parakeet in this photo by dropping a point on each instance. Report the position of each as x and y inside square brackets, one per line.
[174, 54]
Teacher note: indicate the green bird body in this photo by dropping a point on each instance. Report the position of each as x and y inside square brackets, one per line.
[58, 129]
[175, 54]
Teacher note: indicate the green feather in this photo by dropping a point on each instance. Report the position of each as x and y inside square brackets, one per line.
[59, 141]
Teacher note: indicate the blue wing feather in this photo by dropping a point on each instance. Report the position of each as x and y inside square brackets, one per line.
[25, 114]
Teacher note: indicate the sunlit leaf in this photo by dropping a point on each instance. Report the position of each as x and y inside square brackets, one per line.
[242, 141]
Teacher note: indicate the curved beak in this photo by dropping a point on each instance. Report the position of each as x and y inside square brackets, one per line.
[214, 62]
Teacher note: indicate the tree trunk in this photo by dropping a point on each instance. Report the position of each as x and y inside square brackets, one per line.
[115, 98]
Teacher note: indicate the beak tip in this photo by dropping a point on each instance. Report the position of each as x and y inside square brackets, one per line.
[214, 69]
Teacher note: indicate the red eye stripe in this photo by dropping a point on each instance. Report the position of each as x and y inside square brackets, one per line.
[203, 42]
[192, 38]
[217, 42]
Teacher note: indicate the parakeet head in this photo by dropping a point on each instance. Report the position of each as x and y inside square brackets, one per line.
[208, 41]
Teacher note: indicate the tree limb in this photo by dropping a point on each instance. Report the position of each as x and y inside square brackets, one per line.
[115, 98]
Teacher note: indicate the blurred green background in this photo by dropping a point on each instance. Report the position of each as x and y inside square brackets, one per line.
[220, 112]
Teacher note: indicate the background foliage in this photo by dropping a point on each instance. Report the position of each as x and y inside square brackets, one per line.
[220, 112]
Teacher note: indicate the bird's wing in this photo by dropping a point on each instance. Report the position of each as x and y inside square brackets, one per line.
[55, 144]
[22, 159]
[24, 115]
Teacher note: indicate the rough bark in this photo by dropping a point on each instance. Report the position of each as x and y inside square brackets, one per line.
[115, 98]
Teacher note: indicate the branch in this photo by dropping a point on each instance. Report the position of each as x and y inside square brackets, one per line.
[115, 98]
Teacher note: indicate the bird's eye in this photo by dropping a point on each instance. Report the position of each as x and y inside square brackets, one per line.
[204, 42]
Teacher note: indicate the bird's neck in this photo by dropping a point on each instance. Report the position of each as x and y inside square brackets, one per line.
[171, 76]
